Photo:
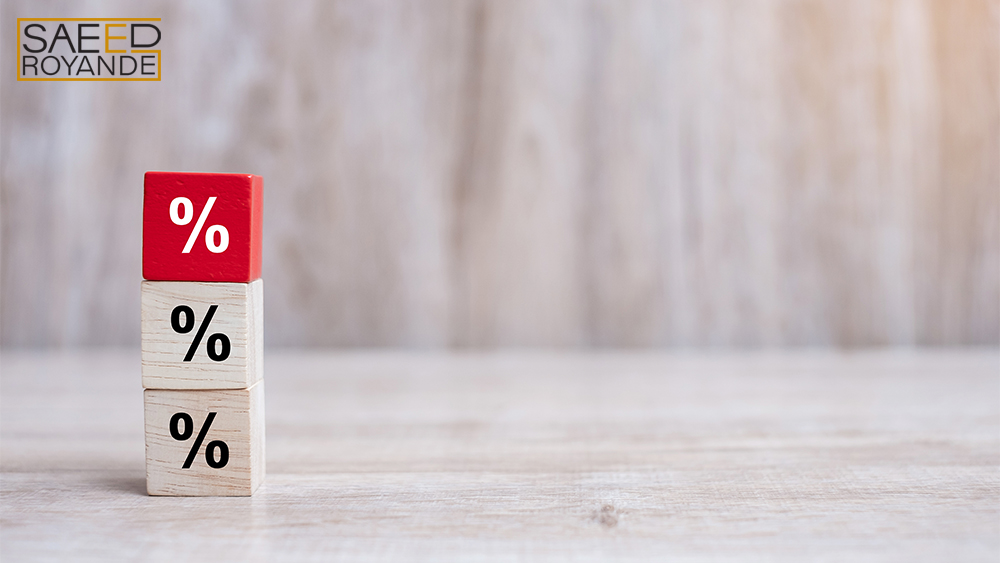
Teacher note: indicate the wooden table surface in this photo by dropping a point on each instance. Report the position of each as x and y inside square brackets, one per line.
[873, 456]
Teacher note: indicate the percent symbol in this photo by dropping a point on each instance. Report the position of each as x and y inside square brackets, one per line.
[183, 205]
[214, 446]
[213, 341]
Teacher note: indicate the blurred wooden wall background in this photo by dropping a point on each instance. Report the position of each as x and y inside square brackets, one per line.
[534, 173]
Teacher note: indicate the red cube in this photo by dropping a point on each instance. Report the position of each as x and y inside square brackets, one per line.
[202, 227]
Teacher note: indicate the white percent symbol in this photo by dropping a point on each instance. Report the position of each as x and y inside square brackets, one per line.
[181, 213]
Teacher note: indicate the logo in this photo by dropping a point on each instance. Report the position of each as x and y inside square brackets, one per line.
[88, 49]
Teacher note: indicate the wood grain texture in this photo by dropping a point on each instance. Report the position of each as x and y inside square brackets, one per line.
[239, 423]
[499, 457]
[539, 173]
[239, 316]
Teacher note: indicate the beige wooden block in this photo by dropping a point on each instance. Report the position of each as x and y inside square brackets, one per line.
[169, 330]
[236, 429]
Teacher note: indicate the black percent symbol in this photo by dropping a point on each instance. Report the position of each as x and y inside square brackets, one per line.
[215, 448]
[214, 341]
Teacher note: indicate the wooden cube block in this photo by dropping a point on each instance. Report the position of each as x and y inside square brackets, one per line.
[202, 227]
[202, 335]
[204, 443]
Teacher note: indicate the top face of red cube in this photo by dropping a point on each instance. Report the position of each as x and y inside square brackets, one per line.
[202, 227]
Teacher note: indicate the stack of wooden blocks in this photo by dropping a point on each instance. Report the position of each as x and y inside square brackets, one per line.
[202, 333]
